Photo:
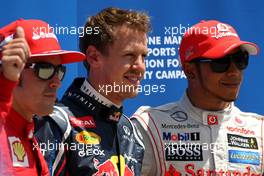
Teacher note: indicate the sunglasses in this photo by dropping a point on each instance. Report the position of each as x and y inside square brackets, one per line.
[46, 71]
[221, 65]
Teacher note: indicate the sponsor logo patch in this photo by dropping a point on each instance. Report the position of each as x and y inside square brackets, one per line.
[240, 130]
[181, 136]
[212, 119]
[172, 171]
[110, 167]
[90, 150]
[126, 130]
[242, 142]
[85, 122]
[188, 152]
[244, 157]
[179, 126]
[192, 169]
[179, 116]
[223, 30]
[239, 122]
[19, 155]
[86, 137]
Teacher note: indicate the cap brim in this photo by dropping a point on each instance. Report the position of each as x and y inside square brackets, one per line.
[67, 56]
[226, 47]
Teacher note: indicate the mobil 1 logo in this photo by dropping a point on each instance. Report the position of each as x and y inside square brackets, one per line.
[183, 152]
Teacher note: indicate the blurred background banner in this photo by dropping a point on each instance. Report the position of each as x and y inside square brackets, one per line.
[164, 79]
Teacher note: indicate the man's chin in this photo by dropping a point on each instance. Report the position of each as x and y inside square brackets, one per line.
[230, 99]
[131, 94]
[45, 111]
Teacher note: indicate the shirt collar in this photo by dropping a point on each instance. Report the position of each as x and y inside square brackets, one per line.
[19, 125]
[204, 116]
[88, 89]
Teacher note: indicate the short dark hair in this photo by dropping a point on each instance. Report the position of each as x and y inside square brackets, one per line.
[105, 22]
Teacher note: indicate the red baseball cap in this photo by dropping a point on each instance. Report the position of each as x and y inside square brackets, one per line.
[212, 39]
[41, 40]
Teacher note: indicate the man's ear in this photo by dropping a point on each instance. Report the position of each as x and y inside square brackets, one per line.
[189, 70]
[93, 56]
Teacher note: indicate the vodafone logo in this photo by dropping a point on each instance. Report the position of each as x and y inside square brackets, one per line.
[240, 130]
[212, 119]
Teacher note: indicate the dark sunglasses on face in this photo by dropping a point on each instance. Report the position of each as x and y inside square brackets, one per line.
[46, 71]
[221, 65]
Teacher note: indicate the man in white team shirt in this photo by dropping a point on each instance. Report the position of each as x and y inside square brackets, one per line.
[204, 133]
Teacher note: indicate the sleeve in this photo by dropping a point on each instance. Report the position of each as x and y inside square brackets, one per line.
[7, 87]
[149, 165]
[52, 132]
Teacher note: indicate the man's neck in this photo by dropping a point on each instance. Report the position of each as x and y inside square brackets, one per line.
[200, 101]
[20, 110]
[109, 97]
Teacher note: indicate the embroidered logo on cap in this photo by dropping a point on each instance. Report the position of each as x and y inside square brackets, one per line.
[43, 32]
[223, 30]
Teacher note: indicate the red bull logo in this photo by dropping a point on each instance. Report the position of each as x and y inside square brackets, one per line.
[109, 167]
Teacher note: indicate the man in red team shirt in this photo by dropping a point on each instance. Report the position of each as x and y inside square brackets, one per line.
[31, 72]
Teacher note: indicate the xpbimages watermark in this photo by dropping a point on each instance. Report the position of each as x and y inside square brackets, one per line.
[82, 148]
[217, 31]
[65, 30]
[146, 89]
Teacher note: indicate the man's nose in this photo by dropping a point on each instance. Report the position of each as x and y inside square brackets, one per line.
[139, 64]
[55, 82]
[233, 70]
